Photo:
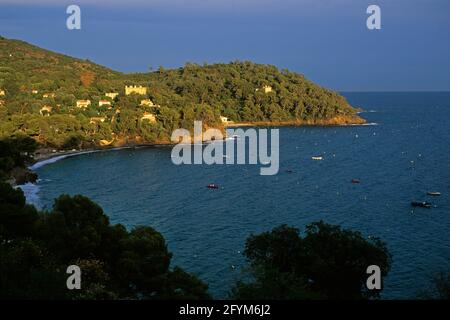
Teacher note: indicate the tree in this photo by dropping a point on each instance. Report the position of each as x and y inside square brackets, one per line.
[11, 86]
[28, 271]
[328, 262]
[439, 288]
[37, 247]
[144, 261]
[75, 228]
[17, 219]
[442, 284]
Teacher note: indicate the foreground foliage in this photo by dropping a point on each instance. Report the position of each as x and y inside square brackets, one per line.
[36, 248]
[326, 263]
[439, 288]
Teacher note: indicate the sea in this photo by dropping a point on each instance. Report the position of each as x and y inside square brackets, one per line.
[398, 156]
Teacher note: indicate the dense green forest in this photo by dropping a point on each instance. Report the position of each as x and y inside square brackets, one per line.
[41, 89]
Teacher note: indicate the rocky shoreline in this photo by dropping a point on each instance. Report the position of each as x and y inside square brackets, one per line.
[22, 175]
[335, 121]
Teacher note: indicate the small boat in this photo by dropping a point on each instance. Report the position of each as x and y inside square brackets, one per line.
[421, 204]
[433, 193]
[212, 186]
[317, 158]
[356, 181]
[289, 171]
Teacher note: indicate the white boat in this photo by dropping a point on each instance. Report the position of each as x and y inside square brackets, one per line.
[317, 158]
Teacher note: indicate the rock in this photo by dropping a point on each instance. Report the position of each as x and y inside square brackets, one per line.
[22, 175]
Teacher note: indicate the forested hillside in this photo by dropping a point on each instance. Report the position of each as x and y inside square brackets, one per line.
[61, 101]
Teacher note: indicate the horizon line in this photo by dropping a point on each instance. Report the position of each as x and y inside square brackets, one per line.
[229, 62]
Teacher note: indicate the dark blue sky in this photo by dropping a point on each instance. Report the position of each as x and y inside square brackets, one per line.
[327, 40]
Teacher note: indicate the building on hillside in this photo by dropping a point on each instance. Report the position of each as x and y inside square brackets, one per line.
[46, 110]
[83, 103]
[147, 103]
[48, 95]
[224, 119]
[105, 143]
[34, 91]
[102, 103]
[112, 95]
[95, 120]
[148, 116]
[2, 92]
[135, 89]
[266, 89]
[2, 102]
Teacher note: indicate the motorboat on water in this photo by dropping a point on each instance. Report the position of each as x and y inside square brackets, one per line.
[356, 181]
[433, 193]
[317, 158]
[421, 204]
[212, 186]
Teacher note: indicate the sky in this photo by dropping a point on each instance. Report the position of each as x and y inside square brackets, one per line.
[326, 40]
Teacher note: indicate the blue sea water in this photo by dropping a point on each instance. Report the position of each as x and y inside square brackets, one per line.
[398, 160]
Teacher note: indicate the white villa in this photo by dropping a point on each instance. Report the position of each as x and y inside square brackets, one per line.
[83, 103]
[224, 119]
[46, 110]
[95, 120]
[102, 103]
[2, 92]
[266, 89]
[135, 89]
[147, 103]
[148, 116]
[112, 95]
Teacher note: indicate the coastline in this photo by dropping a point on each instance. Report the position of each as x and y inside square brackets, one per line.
[44, 154]
[335, 121]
